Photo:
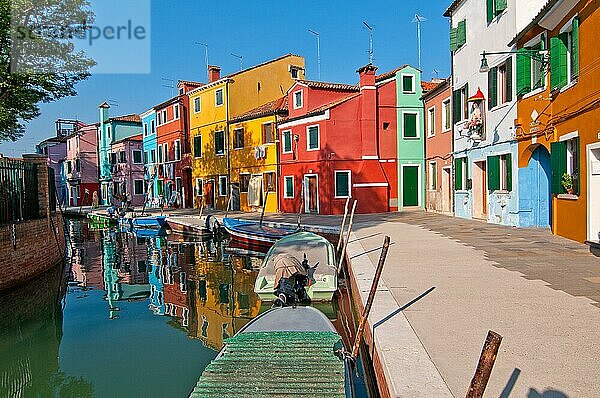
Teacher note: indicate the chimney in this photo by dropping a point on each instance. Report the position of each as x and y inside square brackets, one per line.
[214, 73]
[368, 112]
[104, 107]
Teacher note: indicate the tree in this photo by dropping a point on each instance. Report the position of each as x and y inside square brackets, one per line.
[38, 60]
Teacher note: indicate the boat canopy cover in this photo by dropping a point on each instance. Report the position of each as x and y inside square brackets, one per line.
[286, 266]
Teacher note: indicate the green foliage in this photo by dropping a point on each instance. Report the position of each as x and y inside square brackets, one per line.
[566, 181]
[41, 68]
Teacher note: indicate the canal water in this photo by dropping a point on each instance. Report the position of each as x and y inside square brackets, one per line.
[132, 316]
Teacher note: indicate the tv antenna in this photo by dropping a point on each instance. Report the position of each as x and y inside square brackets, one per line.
[170, 83]
[241, 58]
[205, 56]
[370, 42]
[316, 34]
[418, 19]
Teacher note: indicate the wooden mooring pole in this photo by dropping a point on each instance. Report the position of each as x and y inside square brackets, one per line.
[345, 246]
[363, 320]
[262, 213]
[485, 365]
[340, 240]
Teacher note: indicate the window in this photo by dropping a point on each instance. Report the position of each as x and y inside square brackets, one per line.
[160, 154]
[500, 84]
[495, 8]
[386, 125]
[410, 128]
[269, 182]
[565, 159]
[222, 185]
[294, 72]
[138, 187]
[460, 106]
[177, 150]
[196, 104]
[145, 157]
[69, 170]
[176, 111]
[432, 182]
[77, 165]
[164, 116]
[408, 83]
[244, 182]
[181, 91]
[113, 158]
[564, 55]
[108, 132]
[499, 172]
[312, 133]
[458, 35]
[431, 122]
[446, 116]
[298, 99]
[137, 157]
[198, 187]
[145, 129]
[219, 97]
[153, 156]
[461, 174]
[122, 157]
[287, 141]
[219, 142]
[288, 191]
[198, 146]
[152, 127]
[342, 184]
[238, 138]
[159, 118]
[166, 151]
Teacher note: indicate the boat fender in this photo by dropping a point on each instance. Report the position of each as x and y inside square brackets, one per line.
[212, 224]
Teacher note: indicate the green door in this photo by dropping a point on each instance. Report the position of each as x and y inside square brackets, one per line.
[410, 185]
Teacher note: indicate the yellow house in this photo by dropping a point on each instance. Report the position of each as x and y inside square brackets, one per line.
[254, 156]
[211, 109]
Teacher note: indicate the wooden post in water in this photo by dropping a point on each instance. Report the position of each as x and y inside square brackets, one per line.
[343, 225]
[485, 365]
[229, 200]
[262, 213]
[363, 320]
[345, 246]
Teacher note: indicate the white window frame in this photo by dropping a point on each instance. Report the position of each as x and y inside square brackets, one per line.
[197, 104]
[503, 172]
[176, 112]
[285, 192]
[108, 132]
[416, 125]
[145, 129]
[414, 79]
[431, 123]
[335, 173]
[176, 153]
[134, 185]
[216, 97]
[568, 28]
[152, 156]
[283, 135]
[308, 148]
[446, 120]
[221, 194]
[165, 116]
[133, 156]
[224, 142]
[201, 191]
[235, 130]
[152, 127]
[430, 171]
[301, 99]
[194, 146]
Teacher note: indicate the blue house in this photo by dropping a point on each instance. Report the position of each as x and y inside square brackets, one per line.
[150, 151]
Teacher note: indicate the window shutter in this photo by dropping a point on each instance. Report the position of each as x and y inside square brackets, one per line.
[456, 106]
[523, 72]
[558, 59]
[453, 39]
[575, 48]
[493, 87]
[493, 172]
[500, 6]
[197, 146]
[289, 186]
[490, 10]
[462, 33]
[558, 165]
[509, 79]
[341, 184]
[458, 174]
[576, 168]
[313, 137]
[410, 125]
[508, 172]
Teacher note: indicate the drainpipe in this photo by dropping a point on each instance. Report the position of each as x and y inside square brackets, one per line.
[277, 161]
[227, 139]
[452, 163]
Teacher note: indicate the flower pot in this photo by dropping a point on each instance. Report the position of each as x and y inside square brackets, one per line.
[570, 191]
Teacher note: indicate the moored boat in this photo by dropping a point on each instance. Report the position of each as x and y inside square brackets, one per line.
[254, 235]
[315, 254]
[144, 221]
[289, 351]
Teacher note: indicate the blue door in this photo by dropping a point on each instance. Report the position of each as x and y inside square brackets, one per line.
[534, 190]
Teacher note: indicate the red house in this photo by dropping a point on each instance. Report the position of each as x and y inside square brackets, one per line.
[174, 148]
[340, 141]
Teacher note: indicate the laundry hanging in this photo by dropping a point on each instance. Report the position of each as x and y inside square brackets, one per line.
[255, 191]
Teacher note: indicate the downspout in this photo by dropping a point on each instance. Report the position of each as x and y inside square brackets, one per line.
[277, 161]
[227, 140]
[452, 163]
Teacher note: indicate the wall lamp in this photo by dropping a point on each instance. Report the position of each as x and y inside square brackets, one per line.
[536, 55]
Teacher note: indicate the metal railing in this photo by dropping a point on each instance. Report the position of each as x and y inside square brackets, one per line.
[18, 191]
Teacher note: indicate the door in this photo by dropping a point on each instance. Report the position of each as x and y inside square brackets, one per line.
[446, 190]
[410, 185]
[312, 194]
[593, 216]
[209, 193]
[188, 189]
[179, 189]
[480, 189]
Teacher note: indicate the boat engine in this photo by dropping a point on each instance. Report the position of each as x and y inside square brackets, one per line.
[291, 279]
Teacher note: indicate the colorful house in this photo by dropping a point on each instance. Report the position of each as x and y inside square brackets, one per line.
[149, 146]
[128, 169]
[55, 150]
[557, 121]
[438, 147]
[484, 107]
[255, 156]
[111, 130]
[211, 108]
[82, 165]
[340, 141]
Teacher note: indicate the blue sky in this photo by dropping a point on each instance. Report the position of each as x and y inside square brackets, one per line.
[259, 31]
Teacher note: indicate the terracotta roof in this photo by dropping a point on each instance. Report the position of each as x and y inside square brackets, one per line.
[167, 102]
[133, 118]
[440, 86]
[54, 139]
[387, 75]
[448, 12]
[428, 86]
[323, 108]
[190, 83]
[329, 86]
[279, 106]
[131, 138]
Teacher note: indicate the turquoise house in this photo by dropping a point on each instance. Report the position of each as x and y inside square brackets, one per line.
[149, 146]
[411, 145]
[111, 130]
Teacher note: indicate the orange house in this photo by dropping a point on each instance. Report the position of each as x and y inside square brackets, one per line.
[558, 113]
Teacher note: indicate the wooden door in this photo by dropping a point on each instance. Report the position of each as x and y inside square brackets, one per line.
[209, 193]
[410, 185]
[484, 204]
[312, 196]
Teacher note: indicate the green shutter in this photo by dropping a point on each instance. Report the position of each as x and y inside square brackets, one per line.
[493, 172]
[500, 6]
[509, 79]
[287, 141]
[289, 187]
[558, 59]
[313, 137]
[493, 87]
[407, 84]
[456, 106]
[341, 184]
[453, 39]
[458, 174]
[575, 48]
[558, 162]
[490, 10]
[197, 146]
[462, 33]
[576, 168]
[466, 167]
[410, 125]
[508, 172]
[523, 72]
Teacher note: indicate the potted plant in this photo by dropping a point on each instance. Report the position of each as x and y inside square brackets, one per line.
[567, 183]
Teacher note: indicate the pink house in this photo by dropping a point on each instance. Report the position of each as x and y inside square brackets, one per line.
[81, 165]
[127, 166]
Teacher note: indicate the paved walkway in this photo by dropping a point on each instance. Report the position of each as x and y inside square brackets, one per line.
[539, 291]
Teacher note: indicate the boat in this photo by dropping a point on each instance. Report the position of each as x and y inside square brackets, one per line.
[143, 221]
[255, 235]
[318, 258]
[286, 351]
